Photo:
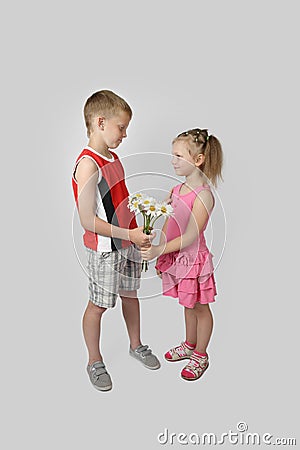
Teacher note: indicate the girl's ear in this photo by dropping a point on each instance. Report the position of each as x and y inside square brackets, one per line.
[199, 160]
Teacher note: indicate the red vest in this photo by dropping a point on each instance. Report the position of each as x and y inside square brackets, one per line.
[112, 200]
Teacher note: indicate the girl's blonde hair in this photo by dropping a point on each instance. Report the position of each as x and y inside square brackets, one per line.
[105, 103]
[200, 142]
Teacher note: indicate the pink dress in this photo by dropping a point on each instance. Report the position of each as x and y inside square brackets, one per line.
[187, 274]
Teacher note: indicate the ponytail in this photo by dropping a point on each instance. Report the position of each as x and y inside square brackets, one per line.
[212, 166]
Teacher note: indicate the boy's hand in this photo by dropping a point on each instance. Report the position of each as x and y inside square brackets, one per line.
[140, 238]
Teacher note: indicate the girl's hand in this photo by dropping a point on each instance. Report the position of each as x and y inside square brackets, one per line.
[158, 272]
[150, 253]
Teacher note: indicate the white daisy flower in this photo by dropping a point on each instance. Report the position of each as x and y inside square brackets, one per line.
[147, 203]
[152, 209]
[164, 209]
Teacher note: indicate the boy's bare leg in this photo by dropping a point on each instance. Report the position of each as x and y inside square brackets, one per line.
[131, 314]
[91, 331]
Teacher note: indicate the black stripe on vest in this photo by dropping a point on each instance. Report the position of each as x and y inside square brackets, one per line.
[109, 210]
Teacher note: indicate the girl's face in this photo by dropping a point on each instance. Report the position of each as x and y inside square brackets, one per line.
[183, 163]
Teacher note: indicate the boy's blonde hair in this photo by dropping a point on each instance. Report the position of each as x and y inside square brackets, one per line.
[104, 103]
[200, 142]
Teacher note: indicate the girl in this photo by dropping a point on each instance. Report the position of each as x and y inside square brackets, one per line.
[185, 263]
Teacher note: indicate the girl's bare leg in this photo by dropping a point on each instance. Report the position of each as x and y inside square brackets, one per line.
[190, 325]
[204, 326]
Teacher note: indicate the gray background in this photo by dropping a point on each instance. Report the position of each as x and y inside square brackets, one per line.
[229, 66]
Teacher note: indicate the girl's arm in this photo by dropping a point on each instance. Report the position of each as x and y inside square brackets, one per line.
[162, 238]
[199, 215]
[87, 179]
[163, 233]
[162, 241]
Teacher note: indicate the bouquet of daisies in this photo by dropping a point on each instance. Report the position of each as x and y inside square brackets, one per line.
[151, 210]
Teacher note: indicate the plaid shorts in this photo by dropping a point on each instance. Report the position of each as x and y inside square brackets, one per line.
[110, 272]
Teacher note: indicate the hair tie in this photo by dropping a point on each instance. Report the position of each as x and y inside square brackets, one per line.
[195, 134]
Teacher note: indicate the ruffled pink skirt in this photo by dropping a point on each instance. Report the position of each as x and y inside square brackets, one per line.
[188, 277]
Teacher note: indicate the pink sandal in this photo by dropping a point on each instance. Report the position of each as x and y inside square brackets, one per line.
[195, 368]
[179, 353]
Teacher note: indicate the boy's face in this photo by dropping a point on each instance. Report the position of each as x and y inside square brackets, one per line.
[114, 129]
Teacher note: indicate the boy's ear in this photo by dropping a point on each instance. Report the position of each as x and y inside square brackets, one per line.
[199, 160]
[100, 122]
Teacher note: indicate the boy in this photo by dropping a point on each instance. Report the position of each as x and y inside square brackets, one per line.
[110, 228]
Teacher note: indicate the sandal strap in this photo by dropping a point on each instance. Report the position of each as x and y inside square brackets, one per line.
[197, 364]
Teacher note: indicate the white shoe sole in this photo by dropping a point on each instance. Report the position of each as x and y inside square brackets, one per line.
[141, 361]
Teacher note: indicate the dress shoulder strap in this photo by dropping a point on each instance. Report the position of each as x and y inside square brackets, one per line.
[202, 188]
[176, 189]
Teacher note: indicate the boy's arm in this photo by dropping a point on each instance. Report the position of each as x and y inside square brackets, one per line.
[87, 179]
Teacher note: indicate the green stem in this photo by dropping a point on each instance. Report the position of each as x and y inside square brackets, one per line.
[146, 230]
[155, 219]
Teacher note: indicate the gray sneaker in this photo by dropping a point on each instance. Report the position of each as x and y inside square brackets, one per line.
[145, 355]
[99, 377]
